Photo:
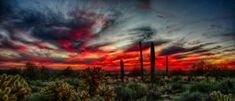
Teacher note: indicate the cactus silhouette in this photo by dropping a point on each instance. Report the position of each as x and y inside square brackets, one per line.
[122, 70]
[152, 57]
[141, 62]
[167, 73]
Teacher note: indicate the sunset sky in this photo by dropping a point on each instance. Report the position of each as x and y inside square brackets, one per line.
[88, 33]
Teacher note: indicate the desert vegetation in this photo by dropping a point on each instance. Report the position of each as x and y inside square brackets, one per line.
[204, 82]
[95, 84]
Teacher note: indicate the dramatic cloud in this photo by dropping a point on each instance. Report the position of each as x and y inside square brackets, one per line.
[86, 33]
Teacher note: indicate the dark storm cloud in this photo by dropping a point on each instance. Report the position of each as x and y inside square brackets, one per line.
[4, 9]
[145, 32]
[146, 45]
[207, 49]
[51, 24]
[50, 33]
[229, 50]
[180, 56]
[232, 34]
[9, 44]
[145, 4]
[173, 50]
[229, 35]
[179, 48]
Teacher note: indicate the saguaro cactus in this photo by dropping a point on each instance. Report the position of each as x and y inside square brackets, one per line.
[152, 54]
[167, 73]
[122, 70]
[141, 62]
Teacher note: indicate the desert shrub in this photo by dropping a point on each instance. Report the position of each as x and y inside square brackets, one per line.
[73, 81]
[36, 85]
[97, 98]
[35, 97]
[177, 87]
[153, 94]
[135, 72]
[131, 91]
[13, 88]
[59, 91]
[92, 80]
[165, 89]
[225, 86]
[218, 96]
[124, 93]
[68, 72]
[176, 79]
[160, 81]
[192, 96]
[93, 86]
[83, 95]
[140, 90]
[201, 87]
[106, 92]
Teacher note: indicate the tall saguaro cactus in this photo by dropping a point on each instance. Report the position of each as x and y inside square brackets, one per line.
[122, 70]
[152, 53]
[141, 62]
[167, 74]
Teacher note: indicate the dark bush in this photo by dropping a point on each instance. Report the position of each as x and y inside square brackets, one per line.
[177, 87]
[124, 93]
[192, 96]
[203, 87]
[225, 86]
[140, 90]
[132, 91]
[153, 94]
[176, 79]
